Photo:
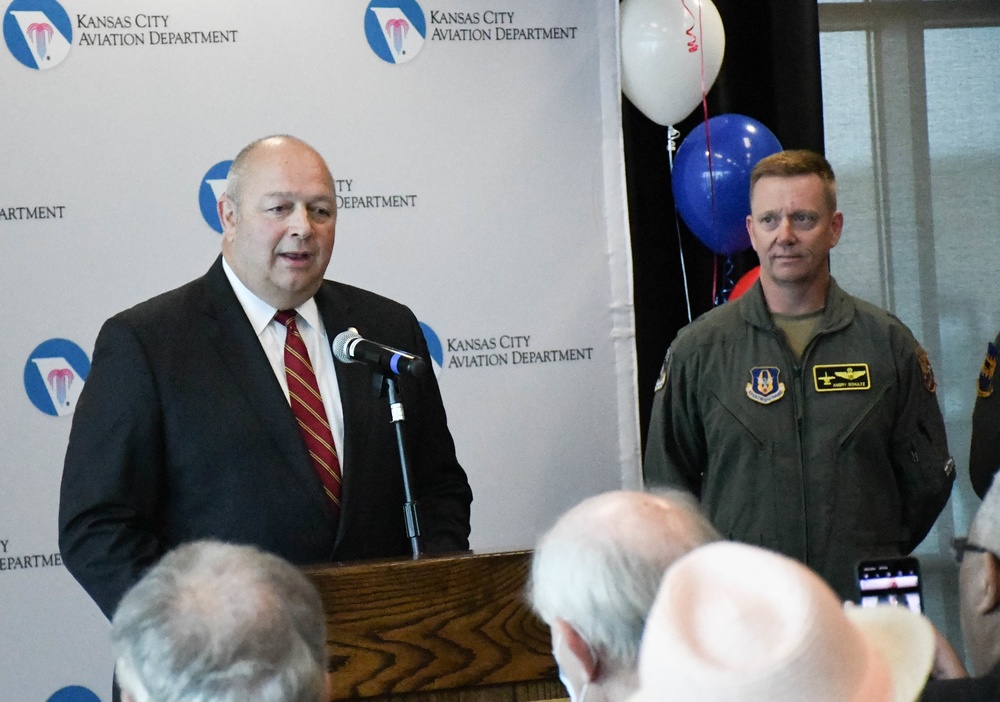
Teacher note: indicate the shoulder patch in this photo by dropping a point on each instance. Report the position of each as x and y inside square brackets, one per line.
[661, 382]
[925, 369]
[985, 385]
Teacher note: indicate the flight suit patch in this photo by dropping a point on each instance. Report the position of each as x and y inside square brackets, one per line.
[838, 377]
[985, 386]
[764, 386]
[925, 369]
[661, 382]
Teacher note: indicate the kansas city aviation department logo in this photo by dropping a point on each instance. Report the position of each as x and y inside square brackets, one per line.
[73, 693]
[395, 30]
[54, 376]
[38, 32]
[212, 187]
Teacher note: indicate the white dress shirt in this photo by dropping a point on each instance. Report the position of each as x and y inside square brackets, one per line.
[271, 335]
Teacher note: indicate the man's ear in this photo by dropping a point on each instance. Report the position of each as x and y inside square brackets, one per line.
[750, 232]
[227, 214]
[836, 228]
[989, 591]
[584, 664]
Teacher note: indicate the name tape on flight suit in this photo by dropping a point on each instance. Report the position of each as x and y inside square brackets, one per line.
[838, 377]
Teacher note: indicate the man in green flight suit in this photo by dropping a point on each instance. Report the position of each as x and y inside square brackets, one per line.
[803, 418]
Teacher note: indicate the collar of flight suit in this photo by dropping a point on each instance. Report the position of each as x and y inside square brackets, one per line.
[838, 311]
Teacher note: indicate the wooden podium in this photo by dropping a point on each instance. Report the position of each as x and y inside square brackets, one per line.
[445, 629]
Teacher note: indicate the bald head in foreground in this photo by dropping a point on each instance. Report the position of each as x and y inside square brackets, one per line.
[594, 577]
[216, 622]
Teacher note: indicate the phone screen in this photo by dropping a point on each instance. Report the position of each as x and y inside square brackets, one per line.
[891, 581]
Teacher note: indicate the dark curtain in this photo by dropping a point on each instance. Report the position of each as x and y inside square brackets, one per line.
[770, 72]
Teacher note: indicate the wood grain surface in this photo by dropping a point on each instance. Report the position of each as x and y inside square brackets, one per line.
[445, 628]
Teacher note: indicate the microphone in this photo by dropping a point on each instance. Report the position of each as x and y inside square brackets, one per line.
[350, 347]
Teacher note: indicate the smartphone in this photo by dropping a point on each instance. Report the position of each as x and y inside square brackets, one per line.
[890, 581]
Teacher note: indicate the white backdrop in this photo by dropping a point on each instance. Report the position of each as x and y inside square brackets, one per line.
[482, 181]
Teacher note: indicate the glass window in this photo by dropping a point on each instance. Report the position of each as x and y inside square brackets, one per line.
[910, 92]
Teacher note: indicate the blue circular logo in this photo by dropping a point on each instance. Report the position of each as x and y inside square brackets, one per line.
[434, 346]
[213, 185]
[38, 33]
[54, 376]
[74, 693]
[395, 29]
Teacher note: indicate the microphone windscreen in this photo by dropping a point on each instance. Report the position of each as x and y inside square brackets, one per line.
[341, 342]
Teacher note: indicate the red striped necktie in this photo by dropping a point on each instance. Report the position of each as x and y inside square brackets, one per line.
[307, 406]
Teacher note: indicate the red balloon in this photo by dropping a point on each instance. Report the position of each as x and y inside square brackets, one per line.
[745, 283]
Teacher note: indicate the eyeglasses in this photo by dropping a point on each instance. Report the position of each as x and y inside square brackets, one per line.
[960, 545]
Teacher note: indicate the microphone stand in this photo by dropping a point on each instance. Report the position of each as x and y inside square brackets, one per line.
[382, 383]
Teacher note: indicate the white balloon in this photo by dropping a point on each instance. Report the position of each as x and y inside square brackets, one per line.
[663, 45]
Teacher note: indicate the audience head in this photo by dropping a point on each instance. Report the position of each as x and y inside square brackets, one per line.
[979, 585]
[594, 577]
[214, 622]
[737, 622]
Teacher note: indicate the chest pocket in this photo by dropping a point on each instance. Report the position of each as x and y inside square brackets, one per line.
[727, 419]
[862, 415]
[741, 477]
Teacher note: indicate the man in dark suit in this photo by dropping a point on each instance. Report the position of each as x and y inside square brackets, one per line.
[186, 428]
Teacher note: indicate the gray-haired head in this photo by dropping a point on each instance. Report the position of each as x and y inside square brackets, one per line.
[600, 566]
[979, 585]
[985, 529]
[215, 622]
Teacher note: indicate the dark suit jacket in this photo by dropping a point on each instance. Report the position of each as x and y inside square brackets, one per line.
[182, 432]
[982, 689]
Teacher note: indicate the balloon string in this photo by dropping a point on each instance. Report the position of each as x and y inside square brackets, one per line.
[727, 280]
[693, 43]
[672, 136]
[704, 108]
[715, 279]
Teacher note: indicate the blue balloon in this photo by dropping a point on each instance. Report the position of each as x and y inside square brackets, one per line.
[718, 218]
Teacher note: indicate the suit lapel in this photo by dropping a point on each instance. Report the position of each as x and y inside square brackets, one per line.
[354, 382]
[229, 333]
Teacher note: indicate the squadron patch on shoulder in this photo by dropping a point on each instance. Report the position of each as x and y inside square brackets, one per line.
[764, 386]
[836, 377]
[985, 386]
[661, 382]
[925, 369]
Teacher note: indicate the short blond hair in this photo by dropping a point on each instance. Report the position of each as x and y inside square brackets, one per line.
[796, 162]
